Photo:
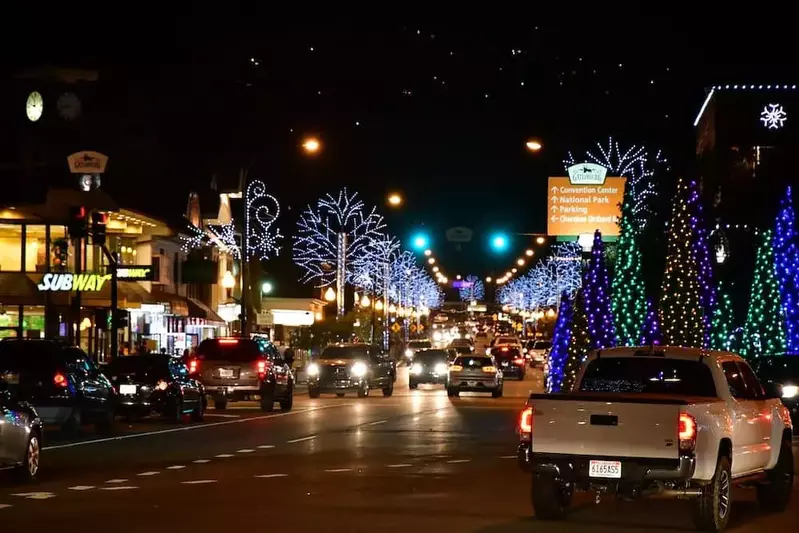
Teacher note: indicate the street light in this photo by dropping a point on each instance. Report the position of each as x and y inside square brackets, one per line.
[330, 295]
[499, 242]
[520, 262]
[311, 145]
[228, 281]
[540, 240]
[394, 200]
[488, 279]
[266, 287]
[432, 260]
[428, 253]
[458, 276]
[533, 145]
[365, 302]
[420, 241]
[379, 305]
[529, 253]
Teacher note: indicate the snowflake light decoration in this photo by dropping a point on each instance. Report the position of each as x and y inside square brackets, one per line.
[262, 210]
[635, 164]
[773, 116]
[224, 235]
[474, 291]
[197, 239]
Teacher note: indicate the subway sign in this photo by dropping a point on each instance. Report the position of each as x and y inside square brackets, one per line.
[135, 273]
[72, 282]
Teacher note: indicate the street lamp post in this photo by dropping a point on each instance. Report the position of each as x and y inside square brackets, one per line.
[341, 272]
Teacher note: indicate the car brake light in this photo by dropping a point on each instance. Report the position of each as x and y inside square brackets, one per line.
[505, 349]
[261, 366]
[526, 420]
[519, 360]
[455, 368]
[228, 341]
[489, 369]
[161, 385]
[686, 430]
[60, 380]
[194, 365]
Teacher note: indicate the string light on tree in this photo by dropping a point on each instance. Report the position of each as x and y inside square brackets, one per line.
[560, 342]
[579, 342]
[224, 235]
[723, 324]
[196, 239]
[701, 250]
[474, 289]
[596, 291]
[786, 264]
[763, 331]
[650, 332]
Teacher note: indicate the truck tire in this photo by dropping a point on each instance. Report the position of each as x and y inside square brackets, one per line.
[551, 497]
[712, 508]
[388, 391]
[313, 392]
[363, 392]
[452, 392]
[775, 494]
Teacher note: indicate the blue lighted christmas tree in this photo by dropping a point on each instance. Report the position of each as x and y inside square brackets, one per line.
[596, 287]
[786, 268]
[560, 345]
[650, 332]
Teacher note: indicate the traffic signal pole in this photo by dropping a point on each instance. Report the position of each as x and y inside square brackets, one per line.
[112, 265]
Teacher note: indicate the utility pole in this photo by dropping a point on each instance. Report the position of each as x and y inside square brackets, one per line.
[112, 266]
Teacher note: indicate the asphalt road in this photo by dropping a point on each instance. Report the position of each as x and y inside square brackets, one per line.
[416, 461]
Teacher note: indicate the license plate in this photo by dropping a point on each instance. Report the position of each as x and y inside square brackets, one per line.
[225, 373]
[11, 379]
[606, 469]
[127, 389]
[471, 383]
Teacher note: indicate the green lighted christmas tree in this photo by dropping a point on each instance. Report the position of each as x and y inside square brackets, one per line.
[681, 315]
[579, 342]
[763, 332]
[629, 299]
[723, 322]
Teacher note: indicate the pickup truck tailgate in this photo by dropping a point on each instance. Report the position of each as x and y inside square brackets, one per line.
[606, 426]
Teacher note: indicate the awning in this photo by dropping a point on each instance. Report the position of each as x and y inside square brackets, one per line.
[130, 295]
[198, 309]
[178, 304]
[17, 288]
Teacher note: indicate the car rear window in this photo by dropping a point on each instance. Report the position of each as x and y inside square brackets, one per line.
[543, 345]
[142, 367]
[29, 357]
[650, 375]
[473, 362]
[419, 345]
[431, 356]
[239, 350]
[344, 352]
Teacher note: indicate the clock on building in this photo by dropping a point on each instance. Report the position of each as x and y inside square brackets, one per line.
[34, 107]
[68, 106]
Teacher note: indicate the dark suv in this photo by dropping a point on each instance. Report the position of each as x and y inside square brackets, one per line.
[238, 369]
[60, 381]
[351, 367]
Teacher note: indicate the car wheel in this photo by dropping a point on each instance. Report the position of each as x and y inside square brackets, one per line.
[198, 414]
[27, 471]
[267, 400]
[220, 404]
[551, 497]
[496, 393]
[453, 392]
[175, 412]
[288, 402]
[363, 392]
[775, 494]
[388, 391]
[412, 385]
[105, 421]
[73, 424]
[712, 508]
[313, 392]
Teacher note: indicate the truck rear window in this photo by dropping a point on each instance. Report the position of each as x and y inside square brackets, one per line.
[234, 350]
[649, 375]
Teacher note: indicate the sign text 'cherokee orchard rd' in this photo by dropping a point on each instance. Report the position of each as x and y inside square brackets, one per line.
[72, 282]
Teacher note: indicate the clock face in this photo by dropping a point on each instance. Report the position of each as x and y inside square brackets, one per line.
[68, 106]
[35, 106]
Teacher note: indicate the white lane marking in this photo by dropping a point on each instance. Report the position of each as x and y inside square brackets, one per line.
[35, 495]
[303, 439]
[201, 461]
[224, 455]
[198, 482]
[119, 487]
[507, 457]
[220, 415]
[337, 470]
[266, 446]
[176, 467]
[376, 423]
[267, 476]
[190, 428]
[147, 474]
[401, 465]
[458, 461]
[82, 487]
[116, 481]
[245, 450]
[4, 505]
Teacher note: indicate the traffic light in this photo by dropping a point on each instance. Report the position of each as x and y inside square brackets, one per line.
[121, 319]
[99, 221]
[77, 222]
[420, 242]
[500, 242]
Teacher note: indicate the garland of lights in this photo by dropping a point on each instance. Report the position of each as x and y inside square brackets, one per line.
[629, 298]
[560, 342]
[763, 330]
[596, 291]
[579, 342]
[474, 291]
[261, 212]
[723, 324]
[702, 254]
[786, 264]
[224, 236]
[197, 239]
[650, 332]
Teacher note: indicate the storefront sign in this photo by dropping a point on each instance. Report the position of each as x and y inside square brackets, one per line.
[135, 273]
[584, 202]
[87, 162]
[72, 282]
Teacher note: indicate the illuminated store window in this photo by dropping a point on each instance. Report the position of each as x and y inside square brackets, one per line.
[10, 247]
[33, 322]
[9, 321]
[35, 248]
[62, 253]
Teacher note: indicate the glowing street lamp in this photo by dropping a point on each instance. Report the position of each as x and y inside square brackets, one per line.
[520, 262]
[311, 145]
[533, 145]
[488, 279]
[267, 287]
[394, 200]
[365, 301]
[330, 295]
[529, 253]
[540, 240]
[379, 305]
[432, 260]
[228, 281]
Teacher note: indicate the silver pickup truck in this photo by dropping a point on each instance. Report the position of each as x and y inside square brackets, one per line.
[665, 421]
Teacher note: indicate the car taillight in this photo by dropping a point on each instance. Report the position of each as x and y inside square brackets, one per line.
[261, 367]
[60, 380]
[455, 368]
[526, 421]
[194, 366]
[686, 431]
[490, 369]
[161, 385]
[519, 360]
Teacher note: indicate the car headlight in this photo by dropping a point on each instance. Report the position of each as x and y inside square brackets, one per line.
[441, 368]
[358, 370]
[416, 369]
[313, 369]
[408, 353]
[437, 336]
[790, 391]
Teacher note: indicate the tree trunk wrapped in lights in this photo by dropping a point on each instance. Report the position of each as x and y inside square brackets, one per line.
[786, 264]
[560, 343]
[681, 311]
[629, 299]
[763, 331]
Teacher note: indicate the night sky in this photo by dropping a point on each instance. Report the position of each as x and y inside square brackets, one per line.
[437, 110]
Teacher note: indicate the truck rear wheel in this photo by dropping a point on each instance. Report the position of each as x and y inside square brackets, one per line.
[775, 494]
[551, 497]
[712, 507]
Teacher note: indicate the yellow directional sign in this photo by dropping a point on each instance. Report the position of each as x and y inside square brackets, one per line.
[396, 327]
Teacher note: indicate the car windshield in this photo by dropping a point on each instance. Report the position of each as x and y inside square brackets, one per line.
[344, 352]
[473, 362]
[543, 345]
[237, 350]
[461, 342]
[650, 375]
[507, 353]
[779, 368]
[142, 367]
[419, 345]
[429, 357]
[506, 340]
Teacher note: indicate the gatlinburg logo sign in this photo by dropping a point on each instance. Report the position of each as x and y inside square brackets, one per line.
[72, 282]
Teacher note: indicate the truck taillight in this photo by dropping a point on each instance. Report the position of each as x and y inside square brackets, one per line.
[526, 421]
[686, 431]
[194, 366]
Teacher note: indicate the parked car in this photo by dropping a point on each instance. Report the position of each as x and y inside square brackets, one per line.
[780, 378]
[676, 422]
[236, 369]
[156, 384]
[60, 381]
[429, 366]
[20, 435]
[469, 373]
[343, 368]
[511, 361]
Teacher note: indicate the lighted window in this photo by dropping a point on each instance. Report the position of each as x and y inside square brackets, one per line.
[33, 322]
[35, 248]
[9, 321]
[10, 247]
[62, 253]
